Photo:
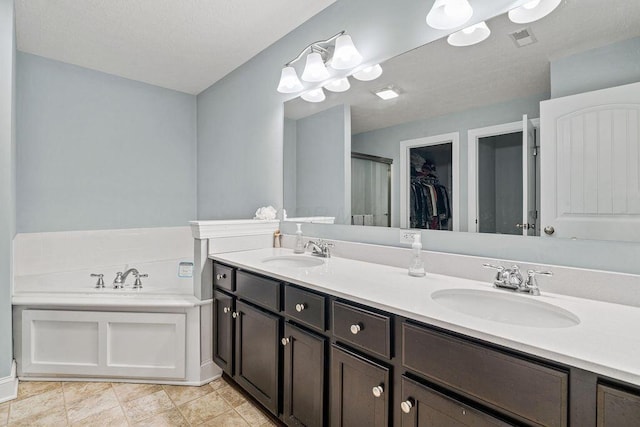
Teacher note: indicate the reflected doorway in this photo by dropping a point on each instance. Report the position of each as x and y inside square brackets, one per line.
[370, 190]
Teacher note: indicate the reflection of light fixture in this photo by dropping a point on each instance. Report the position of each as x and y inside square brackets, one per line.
[533, 10]
[369, 73]
[387, 93]
[470, 35]
[448, 14]
[342, 56]
[338, 85]
[314, 95]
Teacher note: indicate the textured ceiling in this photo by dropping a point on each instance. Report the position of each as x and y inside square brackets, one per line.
[185, 45]
[438, 79]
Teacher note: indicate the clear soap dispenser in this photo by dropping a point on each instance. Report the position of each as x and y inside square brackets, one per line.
[299, 245]
[416, 267]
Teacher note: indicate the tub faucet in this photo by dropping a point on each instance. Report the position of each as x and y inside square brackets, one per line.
[118, 282]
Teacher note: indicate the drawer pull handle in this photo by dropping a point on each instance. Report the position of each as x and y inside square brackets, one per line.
[284, 341]
[226, 310]
[377, 391]
[355, 328]
[221, 276]
[300, 307]
[234, 314]
[406, 406]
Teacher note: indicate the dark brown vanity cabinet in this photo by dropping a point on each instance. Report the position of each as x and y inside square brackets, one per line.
[360, 390]
[617, 408]
[223, 330]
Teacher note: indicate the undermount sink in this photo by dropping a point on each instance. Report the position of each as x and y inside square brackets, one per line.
[505, 308]
[300, 261]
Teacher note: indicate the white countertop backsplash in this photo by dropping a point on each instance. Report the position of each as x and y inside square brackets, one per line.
[605, 341]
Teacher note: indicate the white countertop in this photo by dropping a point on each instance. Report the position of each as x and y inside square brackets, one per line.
[606, 341]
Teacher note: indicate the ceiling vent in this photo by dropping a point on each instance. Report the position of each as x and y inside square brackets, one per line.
[523, 37]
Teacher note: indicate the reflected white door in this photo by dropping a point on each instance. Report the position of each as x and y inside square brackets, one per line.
[589, 163]
[528, 178]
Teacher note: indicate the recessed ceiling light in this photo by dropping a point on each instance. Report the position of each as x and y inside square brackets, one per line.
[387, 93]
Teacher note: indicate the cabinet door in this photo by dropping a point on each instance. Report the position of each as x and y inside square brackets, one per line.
[422, 407]
[303, 377]
[356, 399]
[223, 322]
[257, 354]
[617, 408]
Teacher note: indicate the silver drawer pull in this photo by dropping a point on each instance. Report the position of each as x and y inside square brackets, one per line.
[355, 328]
[226, 310]
[300, 307]
[406, 406]
[234, 314]
[221, 276]
[285, 341]
[377, 391]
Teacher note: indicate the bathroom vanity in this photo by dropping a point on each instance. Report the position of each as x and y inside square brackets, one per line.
[347, 342]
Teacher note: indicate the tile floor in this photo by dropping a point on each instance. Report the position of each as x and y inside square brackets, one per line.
[120, 404]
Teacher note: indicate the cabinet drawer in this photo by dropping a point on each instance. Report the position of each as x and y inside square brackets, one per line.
[365, 329]
[259, 290]
[305, 306]
[423, 406]
[224, 277]
[617, 407]
[504, 382]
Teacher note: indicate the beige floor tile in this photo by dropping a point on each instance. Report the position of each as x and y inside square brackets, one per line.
[228, 419]
[34, 405]
[204, 408]
[184, 394]
[91, 405]
[252, 414]
[74, 391]
[218, 383]
[4, 413]
[32, 388]
[147, 406]
[171, 418]
[231, 395]
[55, 417]
[127, 392]
[113, 417]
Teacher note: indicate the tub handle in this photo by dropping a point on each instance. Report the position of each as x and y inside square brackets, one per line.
[100, 282]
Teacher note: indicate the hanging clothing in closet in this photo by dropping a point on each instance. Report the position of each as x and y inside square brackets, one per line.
[429, 201]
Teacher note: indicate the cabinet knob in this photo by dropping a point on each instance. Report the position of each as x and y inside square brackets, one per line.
[226, 310]
[377, 391]
[549, 230]
[221, 276]
[406, 406]
[284, 341]
[300, 307]
[355, 328]
[234, 314]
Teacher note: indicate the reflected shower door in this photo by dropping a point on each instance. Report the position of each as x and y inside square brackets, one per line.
[370, 190]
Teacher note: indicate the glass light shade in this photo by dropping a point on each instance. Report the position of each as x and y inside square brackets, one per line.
[314, 95]
[470, 35]
[338, 85]
[345, 55]
[532, 11]
[314, 69]
[448, 14]
[289, 81]
[368, 73]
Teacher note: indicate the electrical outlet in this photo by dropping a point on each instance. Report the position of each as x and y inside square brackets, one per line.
[406, 236]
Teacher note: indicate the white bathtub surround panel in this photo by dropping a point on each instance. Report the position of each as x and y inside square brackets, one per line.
[606, 286]
[42, 253]
[600, 343]
[9, 385]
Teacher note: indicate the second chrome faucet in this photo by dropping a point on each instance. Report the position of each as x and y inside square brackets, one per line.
[512, 278]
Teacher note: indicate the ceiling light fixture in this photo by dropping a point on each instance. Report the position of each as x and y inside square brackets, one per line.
[533, 10]
[448, 14]
[369, 73]
[470, 35]
[387, 93]
[337, 51]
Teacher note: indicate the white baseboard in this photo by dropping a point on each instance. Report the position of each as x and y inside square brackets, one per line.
[9, 385]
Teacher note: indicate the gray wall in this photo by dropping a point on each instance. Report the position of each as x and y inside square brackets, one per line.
[98, 151]
[7, 178]
[613, 65]
[240, 117]
[324, 140]
[289, 167]
[386, 142]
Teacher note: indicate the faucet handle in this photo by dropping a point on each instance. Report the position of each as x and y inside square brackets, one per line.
[117, 282]
[100, 282]
[531, 284]
[493, 266]
[138, 283]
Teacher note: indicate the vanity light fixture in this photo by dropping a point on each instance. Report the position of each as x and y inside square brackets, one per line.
[448, 14]
[387, 93]
[289, 81]
[345, 55]
[533, 10]
[470, 35]
[338, 85]
[314, 95]
[369, 73]
[315, 70]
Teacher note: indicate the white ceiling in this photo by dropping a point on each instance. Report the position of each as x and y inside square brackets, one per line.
[186, 45]
[439, 79]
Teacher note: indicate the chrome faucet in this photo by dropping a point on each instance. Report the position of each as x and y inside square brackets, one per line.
[118, 282]
[319, 248]
[511, 278]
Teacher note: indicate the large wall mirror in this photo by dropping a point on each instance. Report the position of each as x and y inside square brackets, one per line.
[460, 148]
